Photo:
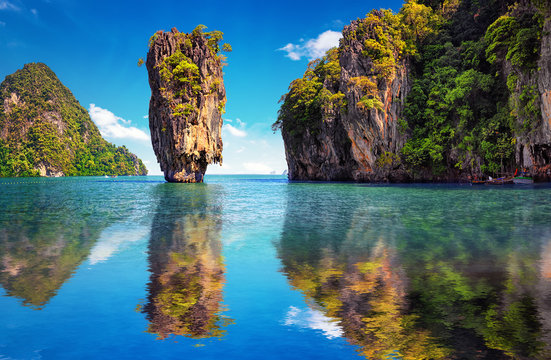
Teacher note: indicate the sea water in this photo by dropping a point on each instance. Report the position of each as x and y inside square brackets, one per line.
[256, 267]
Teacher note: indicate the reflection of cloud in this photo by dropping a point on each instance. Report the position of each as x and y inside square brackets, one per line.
[233, 238]
[313, 48]
[313, 319]
[113, 126]
[113, 238]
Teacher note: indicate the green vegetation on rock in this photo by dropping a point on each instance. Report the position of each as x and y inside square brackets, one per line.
[308, 97]
[181, 75]
[472, 86]
[460, 112]
[45, 131]
[386, 37]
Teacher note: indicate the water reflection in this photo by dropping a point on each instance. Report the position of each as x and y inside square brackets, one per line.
[185, 260]
[405, 279]
[44, 236]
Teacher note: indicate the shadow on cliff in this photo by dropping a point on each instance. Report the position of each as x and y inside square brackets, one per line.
[403, 278]
[186, 265]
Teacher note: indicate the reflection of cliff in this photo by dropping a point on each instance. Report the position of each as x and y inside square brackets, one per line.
[187, 269]
[402, 280]
[44, 237]
[355, 275]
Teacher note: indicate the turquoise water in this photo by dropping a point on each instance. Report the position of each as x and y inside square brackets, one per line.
[246, 267]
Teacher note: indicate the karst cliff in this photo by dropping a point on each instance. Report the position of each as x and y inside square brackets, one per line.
[44, 131]
[342, 116]
[187, 101]
[440, 91]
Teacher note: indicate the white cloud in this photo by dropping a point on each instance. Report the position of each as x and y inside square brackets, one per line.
[112, 126]
[239, 122]
[34, 12]
[2, 23]
[313, 48]
[259, 152]
[234, 131]
[293, 51]
[313, 319]
[6, 5]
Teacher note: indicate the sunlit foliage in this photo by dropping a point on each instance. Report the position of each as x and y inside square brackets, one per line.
[308, 98]
[46, 125]
[182, 79]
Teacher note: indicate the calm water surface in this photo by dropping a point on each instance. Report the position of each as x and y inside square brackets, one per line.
[259, 268]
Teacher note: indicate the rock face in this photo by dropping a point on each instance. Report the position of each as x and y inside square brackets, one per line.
[533, 143]
[187, 102]
[358, 106]
[44, 131]
[423, 96]
[540, 149]
[530, 97]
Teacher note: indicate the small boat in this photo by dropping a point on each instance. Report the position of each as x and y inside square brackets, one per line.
[500, 181]
[523, 178]
[478, 182]
[113, 176]
[475, 180]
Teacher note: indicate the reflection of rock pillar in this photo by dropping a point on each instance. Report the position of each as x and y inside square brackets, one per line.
[187, 271]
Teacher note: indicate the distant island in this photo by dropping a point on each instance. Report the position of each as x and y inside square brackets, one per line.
[44, 131]
[440, 91]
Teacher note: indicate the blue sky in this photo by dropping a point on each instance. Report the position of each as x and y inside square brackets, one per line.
[93, 47]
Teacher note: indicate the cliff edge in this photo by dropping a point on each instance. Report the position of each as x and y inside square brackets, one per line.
[341, 120]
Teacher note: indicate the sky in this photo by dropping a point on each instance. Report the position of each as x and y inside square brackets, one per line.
[93, 46]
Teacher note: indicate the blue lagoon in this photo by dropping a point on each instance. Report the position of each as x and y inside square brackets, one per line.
[255, 267]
